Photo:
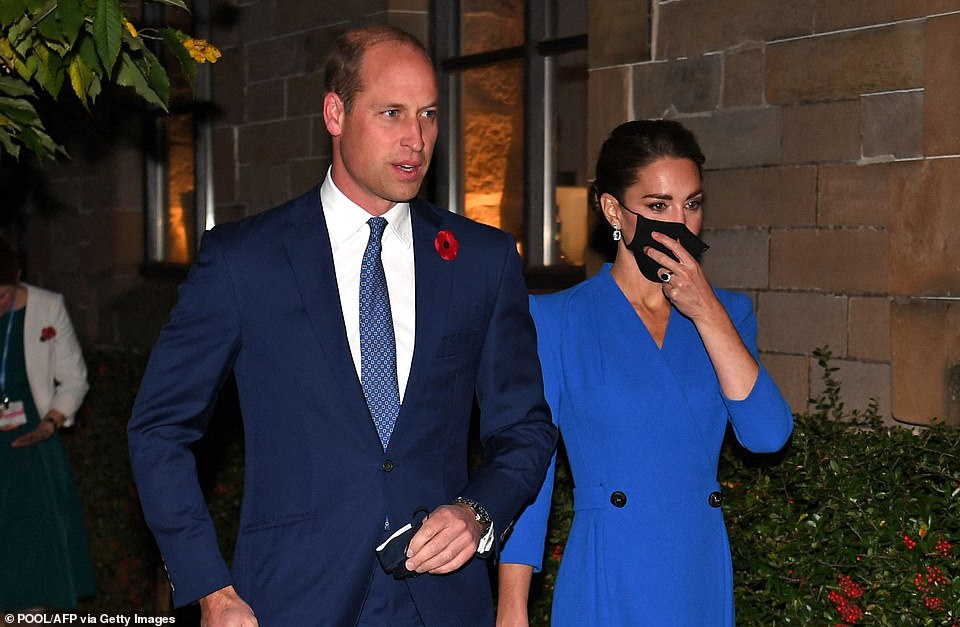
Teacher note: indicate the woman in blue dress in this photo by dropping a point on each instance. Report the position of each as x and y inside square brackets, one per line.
[644, 366]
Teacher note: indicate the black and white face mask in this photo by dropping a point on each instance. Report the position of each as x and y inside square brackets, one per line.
[643, 237]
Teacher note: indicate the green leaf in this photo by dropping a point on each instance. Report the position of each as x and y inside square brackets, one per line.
[157, 77]
[87, 50]
[130, 75]
[6, 142]
[70, 16]
[19, 110]
[49, 71]
[80, 77]
[173, 39]
[15, 87]
[106, 32]
[48, 25]
[10, 11]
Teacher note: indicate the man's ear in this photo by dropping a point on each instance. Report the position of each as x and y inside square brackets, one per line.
[333, 112]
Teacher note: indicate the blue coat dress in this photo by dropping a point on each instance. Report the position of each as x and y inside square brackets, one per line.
[643, 427]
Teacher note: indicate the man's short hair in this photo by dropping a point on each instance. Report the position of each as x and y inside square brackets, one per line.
[343, 64]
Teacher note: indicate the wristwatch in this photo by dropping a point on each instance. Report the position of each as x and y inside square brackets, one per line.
[479, 512]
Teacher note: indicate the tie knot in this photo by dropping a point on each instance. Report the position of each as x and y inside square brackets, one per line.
[377, 226]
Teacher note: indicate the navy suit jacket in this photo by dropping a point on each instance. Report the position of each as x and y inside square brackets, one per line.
[261, 301]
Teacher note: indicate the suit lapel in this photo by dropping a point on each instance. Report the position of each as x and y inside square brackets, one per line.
[310, 256]
[434, 278]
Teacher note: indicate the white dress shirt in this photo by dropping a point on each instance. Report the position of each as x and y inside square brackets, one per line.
[349, 233]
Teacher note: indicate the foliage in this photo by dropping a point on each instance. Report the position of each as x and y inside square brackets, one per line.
[87, 44]
[126, 560]
[854, 523]
[125, 557]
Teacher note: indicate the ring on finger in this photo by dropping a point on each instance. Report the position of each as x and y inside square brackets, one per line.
[665, 275]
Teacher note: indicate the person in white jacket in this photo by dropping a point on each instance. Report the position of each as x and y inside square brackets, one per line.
[43, 381]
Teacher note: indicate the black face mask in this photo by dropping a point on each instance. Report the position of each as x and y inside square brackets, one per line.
[642, 237]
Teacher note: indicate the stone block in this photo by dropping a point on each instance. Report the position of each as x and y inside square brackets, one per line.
[274, 141]
[906, 9]
[608, 107]
[854, 195]
[264, 185]
[738, 258]
[693, 27]
[619, 32]
[799, 322]
[845, 65]
[417, 24]
[287, 56]
[677, 87]
[743, 77]
[224, 165]
[738, 138]
[823, 132]
[849, 14]
[778, 196]
[854, 261]
[941, 121]
[891, 125]
[265, 101]
[293, 16]
[228, 76]
[306, 173]
[305, 95]
[860, 383]
[924, 230]
[791, 374]
[869, 331]
[925, 341]
[258, 21]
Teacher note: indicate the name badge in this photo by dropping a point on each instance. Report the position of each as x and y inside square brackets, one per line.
[12, 416]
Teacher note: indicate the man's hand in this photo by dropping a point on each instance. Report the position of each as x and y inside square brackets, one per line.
[225, 608]
[447, 540]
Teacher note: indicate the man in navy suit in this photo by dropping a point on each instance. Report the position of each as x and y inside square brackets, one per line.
[277, 299]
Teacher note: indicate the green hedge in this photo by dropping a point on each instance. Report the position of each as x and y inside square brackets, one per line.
[853, 523]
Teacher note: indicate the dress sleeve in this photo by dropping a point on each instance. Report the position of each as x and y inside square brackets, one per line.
[526, 542]
[762, 421]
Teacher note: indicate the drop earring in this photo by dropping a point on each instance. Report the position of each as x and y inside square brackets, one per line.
[616, 233]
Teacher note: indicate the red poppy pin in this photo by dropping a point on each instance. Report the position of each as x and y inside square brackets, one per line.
[447, 245]
[48, 333]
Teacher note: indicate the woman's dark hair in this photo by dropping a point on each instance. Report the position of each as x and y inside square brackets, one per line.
[636, 144]
[9, 266]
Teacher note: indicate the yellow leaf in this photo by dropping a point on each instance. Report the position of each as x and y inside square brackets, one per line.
[130, 28]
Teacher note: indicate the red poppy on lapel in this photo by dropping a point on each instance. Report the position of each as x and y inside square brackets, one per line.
[447, 245]
[48, 333]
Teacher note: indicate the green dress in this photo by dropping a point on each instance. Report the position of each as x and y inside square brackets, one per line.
[44, 555]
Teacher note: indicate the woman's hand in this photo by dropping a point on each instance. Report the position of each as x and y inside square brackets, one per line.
[44, 431]
[688, 290]
[687, 287]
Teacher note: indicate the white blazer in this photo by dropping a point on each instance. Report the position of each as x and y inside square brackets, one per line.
[55, 367]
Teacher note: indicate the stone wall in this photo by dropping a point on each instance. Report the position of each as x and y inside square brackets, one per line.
[832, 135]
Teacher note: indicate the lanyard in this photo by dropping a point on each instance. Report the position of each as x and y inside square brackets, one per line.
[6, 350]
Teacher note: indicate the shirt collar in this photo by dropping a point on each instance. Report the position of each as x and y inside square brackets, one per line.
[345, 218]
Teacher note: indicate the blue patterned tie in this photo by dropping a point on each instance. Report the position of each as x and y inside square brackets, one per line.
[378, 348]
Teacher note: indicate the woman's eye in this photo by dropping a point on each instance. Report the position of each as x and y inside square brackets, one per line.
[658, 206]
[695, 205]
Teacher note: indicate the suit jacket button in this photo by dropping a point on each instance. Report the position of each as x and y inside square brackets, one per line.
[387, 466]
[618, 499]
[715, 499]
